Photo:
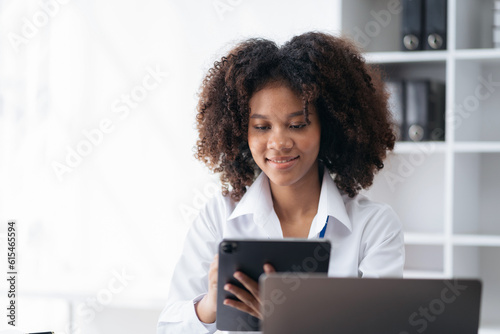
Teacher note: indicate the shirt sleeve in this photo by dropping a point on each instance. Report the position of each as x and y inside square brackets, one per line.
[382, 252]
[190, 279]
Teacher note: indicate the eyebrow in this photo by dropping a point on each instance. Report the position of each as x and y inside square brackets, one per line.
[294, 114]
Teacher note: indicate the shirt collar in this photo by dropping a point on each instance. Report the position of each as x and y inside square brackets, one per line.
[258, 201]
[331, 204]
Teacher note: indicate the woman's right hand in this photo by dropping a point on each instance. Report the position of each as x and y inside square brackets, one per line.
[206, 309]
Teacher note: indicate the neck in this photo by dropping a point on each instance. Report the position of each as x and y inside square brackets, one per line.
[298, 203]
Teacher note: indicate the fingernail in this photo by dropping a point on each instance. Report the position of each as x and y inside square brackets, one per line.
[237, 275]
[227, 287]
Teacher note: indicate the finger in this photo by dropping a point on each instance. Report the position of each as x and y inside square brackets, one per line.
[244, 296]
[214, 265]
[242, 307]
[215, 260]
[214, 269]
[248, 283]
[268, 268]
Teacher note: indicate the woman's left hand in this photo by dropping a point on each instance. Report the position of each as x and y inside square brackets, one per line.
[249, 300]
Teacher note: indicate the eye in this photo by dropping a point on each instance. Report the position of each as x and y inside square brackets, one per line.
[297, 126]
[262, 128]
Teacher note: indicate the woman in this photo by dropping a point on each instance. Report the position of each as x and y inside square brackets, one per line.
[277, 123]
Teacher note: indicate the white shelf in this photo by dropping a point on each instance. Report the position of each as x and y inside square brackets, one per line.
[405, 57]
[427, 147]
[424, 239]
[478, 54]
[457, 239]
[493, 330]
[477, 147]
[441, 147]
[489, 329]
[476, 240]
[423, 274]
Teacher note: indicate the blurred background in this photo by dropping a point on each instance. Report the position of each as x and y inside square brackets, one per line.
[97, 110]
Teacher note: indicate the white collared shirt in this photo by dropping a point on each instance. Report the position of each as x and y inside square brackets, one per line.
[366, 237]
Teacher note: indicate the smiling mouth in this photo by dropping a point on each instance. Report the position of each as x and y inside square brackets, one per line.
[282, 161]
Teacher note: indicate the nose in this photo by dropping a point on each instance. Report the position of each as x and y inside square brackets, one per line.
[280, 140]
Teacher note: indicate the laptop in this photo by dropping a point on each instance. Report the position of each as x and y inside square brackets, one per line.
[308, 303]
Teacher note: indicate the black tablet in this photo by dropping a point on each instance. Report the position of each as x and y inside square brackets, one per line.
[249, 257]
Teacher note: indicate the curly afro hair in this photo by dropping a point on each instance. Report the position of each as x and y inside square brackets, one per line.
[325, 71]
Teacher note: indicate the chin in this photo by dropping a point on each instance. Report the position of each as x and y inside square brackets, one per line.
[282, 180]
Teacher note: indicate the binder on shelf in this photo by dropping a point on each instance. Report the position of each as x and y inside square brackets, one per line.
[496, 24]
[396, 102]
[437, 111]
[412, 24]
[425, 110]
[496, 18]
[435, 25]
[416, 110]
